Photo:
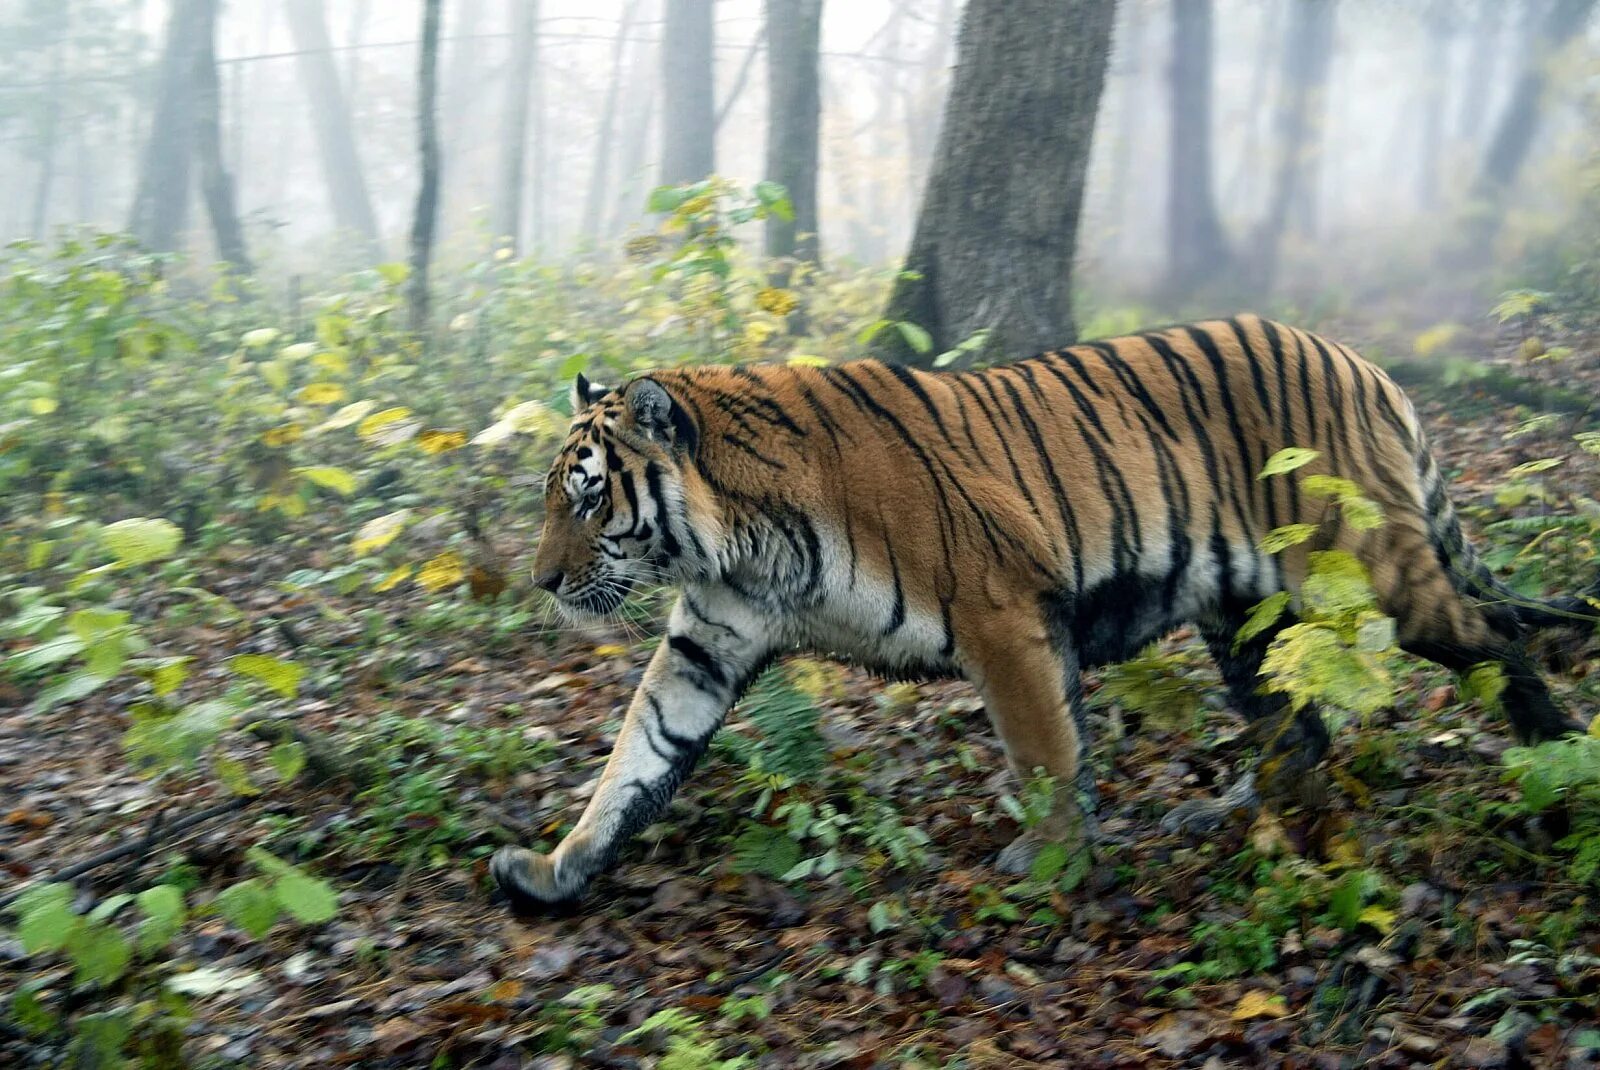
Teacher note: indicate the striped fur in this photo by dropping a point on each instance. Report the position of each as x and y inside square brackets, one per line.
[1011, 525]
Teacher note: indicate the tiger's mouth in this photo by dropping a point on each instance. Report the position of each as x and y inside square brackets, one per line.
[601, 598]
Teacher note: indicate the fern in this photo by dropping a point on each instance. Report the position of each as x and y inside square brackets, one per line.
[785, 719]
[1537, 525]
[767, 851]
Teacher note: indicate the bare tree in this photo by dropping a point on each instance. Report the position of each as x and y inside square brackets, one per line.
[341, 163]
[427, 213]
[998, 224]
[794, 116]
[599, 174]
[1513, 137]
[216, 185]
[514, 136]
[1308, 46]
[161, 200]
[1196, 246]
[689, 120]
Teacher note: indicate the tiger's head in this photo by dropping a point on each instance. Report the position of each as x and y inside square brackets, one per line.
[617, 507]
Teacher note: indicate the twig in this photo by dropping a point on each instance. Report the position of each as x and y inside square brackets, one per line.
[78, 869]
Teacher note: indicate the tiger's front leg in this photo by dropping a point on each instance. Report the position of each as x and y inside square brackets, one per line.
[712, 649]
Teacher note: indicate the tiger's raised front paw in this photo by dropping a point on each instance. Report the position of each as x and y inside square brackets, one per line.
[530, 882]
[1200, 816]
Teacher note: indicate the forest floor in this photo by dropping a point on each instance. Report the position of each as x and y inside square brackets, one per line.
[1417, 920]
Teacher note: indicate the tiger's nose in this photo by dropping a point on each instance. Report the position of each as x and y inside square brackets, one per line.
[550, 581]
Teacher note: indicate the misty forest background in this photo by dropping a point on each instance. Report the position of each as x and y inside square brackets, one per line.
[291, 295]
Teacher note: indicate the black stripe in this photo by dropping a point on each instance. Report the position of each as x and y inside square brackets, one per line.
[699, 657]
[1130, 380]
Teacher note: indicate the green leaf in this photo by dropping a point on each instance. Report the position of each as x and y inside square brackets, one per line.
[1323, 486]
[46, 654]
[308, 899]
[233, 774]
[1361, 513]
[1287, 460]
[107, 909]
[1279, 539]
[335, 479]
[212, 981]
[141, 540]
[250, 905]
[162, 906]
[394, 273]
[28, 1011]
[288, 758]
[178, 739]
[1264, 614]
[764, 850]
[918, 339]
[1543, 464]
[664, 199]
[48, 923]
[69, 688]
[100, 954]
[280, 674]
[166, 675]
[95, 623]
[1049, 862]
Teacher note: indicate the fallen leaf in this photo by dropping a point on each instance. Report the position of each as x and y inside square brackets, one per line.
[1258, 1004]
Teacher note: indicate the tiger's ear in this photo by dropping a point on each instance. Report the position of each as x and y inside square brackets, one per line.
[656, 415]
[585, 393]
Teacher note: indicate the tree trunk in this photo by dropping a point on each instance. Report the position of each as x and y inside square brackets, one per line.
[998, 226]
[1520, 121]
[216, 185]
[600, 173]
[740, 79]
[1435, 82]
[1483, 55]
[161, 201]
[922, 106]
[49, 133]
[1196, 247]
[1308, 46]
[514, 136]
[632, 164]
[794, 117]
[330, 115]
[427, 214]
[537, 221]
[688, 116]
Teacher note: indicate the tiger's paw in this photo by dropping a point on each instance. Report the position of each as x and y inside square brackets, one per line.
[530, 883]
[1200, 816]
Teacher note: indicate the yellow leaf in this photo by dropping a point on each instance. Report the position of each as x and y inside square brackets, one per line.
[610, 650]
[346, 416]
[379, 532]
[43, 406]
[1344, 854]
[321, 393]
[1594, 726]
[331, 362]
[808, 360]
[394, 579]
[1258, 1004]
[261, 336]
[776, 301]
[1435, 338]
[446, 570]
[298, 351]
[335, 479]
[436, 441]
[1379, 918]
[279, 437]
[389, 427]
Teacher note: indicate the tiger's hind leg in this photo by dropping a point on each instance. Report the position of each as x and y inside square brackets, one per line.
[1291, 742]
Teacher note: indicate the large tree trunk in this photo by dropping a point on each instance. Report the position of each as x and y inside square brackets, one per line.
[998, 226]
[1307, 49]
[341, 164]
[794, 117]
[427, 214]
[161, 201]
[514, 136]
[1196, 247]
[600, 173]
[1519, 122]
[1483, 56]
[216, 185]
[689, 119]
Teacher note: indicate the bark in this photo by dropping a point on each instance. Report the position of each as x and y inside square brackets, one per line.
[330, 115]
[1307, 48]
[161, 200]
[794, 117]
[514, 136]
[740, 79]
[1196, 247]
[1483, 57]
[688, 116]
[600, 173]
[922, 109]
[1508, 150]
[216, 185]
[352, 59]
[633, 169]
[427, 213]
[998, 225]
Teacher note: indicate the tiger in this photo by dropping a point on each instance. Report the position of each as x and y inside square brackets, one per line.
[1012, 525]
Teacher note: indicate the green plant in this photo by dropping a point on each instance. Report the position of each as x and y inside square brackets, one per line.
[1563, 774]
[689, 1046]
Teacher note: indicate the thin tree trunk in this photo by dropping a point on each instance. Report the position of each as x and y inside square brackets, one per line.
[514, 136]
[689, 121]
[1196, 248]
[600, 173]
[161, 201]
[216, 185]
[1514, 135]
[998, 226]
[633, 168]
[427, 213]
[465, 77]
[330, 115]
[49, 134]
[352, 59]
[1307, 49]
[794, 119]
[740, 79]
[887, 91]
